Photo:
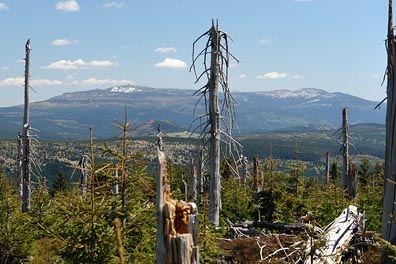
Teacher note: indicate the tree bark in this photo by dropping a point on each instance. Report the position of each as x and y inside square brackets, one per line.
[389, 212]
[214, 120]
[25, 137]
[345, 154]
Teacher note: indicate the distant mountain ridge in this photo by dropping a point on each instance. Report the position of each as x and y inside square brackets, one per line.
[68, 116]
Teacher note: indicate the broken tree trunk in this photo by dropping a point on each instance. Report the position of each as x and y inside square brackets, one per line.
[162, 195]
[389, 212]
[177, 221]
[335, 239]
[347, 177]
[26, 192]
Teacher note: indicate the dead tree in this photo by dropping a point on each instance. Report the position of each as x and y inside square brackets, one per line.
[327, 170]
[244, 163]
[389, 212]
[83, 171]
[162, 196]
[177, 221]
[183, 187]
[19, 175]
[26, 190]
[256, 175]
[193, 182]
[125, 127]
[217, 75]
[345, 150]
[115, 182]
[201, 170]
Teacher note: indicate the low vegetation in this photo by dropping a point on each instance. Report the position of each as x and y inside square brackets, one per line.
[64, 227]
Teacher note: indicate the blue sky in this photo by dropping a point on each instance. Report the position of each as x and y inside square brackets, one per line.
[335, 45]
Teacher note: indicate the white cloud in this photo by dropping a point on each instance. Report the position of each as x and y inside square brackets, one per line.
[298, 76]
[242, 76]
[165, 50]
[61, 42]
[272, 75]
[171, 63]
[264, 41]
[77, 65]
[70, 6]
[3, 6]
[94, 81]
[12, 81]
[376, 76]
[45, 82]
[97, 63]
[114, 5]
[20, 61]
[19, 81]
[5, 68]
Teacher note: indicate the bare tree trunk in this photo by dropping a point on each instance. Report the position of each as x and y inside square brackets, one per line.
[161, 198]
[25, 138]
[201, 168]
[256, 175]
[19, 175]
[115, 182]
[327, 172]
[389, 212]
[345, 154]
[193, 182]
[214, 120]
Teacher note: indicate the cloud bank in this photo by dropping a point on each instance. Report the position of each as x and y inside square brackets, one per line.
[77, 65]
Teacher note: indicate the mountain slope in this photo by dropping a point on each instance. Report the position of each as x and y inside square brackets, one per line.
[68, 116]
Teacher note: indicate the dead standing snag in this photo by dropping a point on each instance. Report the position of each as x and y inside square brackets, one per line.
[217, 124]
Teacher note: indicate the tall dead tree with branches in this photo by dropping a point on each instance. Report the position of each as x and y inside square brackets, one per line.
[26, 178]
[389, 212]
[216, 59]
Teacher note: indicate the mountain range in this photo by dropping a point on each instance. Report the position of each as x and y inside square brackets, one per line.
[69, 116]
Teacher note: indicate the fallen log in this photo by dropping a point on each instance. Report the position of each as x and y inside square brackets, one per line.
[335, 238]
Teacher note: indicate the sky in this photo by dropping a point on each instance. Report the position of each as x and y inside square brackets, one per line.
[335, 45]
